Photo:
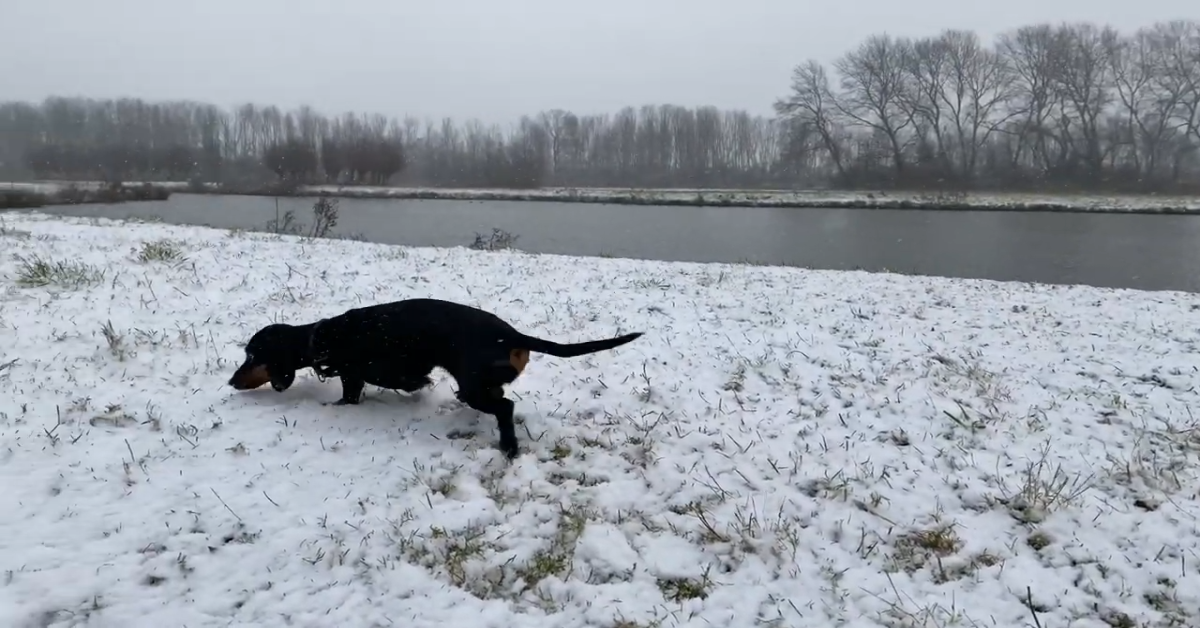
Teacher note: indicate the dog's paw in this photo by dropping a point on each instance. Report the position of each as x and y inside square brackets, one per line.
[510, 451]
[341, 402]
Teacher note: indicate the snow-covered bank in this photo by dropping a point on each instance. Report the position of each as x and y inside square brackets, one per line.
[793, 199]
[1152, 204]
[783, 447]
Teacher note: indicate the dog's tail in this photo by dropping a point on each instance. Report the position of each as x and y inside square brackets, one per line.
[559, 350]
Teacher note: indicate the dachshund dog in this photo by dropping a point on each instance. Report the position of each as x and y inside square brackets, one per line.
[397, 345]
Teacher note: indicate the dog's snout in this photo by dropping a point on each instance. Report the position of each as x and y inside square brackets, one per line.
[249, 377]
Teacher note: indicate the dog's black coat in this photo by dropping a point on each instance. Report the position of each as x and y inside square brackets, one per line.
[396, 345]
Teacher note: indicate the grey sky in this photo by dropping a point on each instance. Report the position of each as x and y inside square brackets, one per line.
[492, 59]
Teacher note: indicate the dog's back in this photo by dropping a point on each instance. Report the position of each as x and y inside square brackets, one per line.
[421, 326]
[443, 330]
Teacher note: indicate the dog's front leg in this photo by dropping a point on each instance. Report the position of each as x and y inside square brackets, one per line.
[352, 388]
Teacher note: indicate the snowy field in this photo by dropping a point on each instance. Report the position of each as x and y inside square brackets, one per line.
[782, 448]
[748, 198]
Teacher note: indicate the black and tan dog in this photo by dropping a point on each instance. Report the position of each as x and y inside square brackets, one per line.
[397, 345]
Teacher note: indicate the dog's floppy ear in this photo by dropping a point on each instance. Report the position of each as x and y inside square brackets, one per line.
[281, 377]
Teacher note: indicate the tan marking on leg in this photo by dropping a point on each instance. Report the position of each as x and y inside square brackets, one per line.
[518, 358]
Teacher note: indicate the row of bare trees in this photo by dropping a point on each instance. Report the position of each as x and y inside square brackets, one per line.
[71, 138]
[1067, 106]
[1071, 106]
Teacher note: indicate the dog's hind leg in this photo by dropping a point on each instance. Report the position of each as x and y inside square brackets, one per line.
[492, 401]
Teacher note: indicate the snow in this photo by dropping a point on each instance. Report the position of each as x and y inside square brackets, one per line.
[783, 447]
[1014, 201]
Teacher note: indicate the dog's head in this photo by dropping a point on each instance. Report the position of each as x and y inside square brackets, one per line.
[272, 355]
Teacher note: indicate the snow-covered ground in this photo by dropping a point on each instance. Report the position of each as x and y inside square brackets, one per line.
[750, 198]
[782, 448]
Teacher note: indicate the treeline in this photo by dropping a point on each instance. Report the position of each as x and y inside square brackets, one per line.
[1071, 106]
[1052, 107]
[129, 139]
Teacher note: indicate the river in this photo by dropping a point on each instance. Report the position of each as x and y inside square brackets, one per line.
[1149, 252]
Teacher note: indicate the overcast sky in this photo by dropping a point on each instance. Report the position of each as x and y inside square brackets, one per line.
[492, 59]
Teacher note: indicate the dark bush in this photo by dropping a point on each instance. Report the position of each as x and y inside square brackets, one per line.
[21, 199]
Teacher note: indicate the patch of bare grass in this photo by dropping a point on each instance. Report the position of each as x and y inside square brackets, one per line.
[1159, 460]
[983, 384]
[465, 558]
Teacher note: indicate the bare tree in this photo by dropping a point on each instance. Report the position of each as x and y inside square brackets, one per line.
[1143, 124]
[978, 94]
[1036, 57]
[813, 103]
[877, 89]
[1177, 81]
[1085, 83]
[924, 99]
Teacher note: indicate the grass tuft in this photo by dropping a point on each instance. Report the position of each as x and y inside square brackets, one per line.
[1045, 488]
[325, 211]
[160, 251]
[36, 272]
[917, 549]
[9, 232]
[115, 341]
[325, 217]
[680, 589]
[499, 240]
[1039, 540]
